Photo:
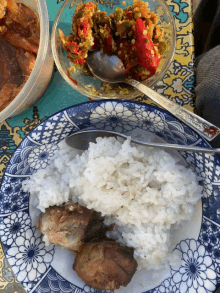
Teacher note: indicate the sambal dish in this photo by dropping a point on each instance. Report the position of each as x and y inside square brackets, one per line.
[132, 34]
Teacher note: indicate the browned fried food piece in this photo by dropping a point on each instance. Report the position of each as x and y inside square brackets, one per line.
[12, 76]
[3, 30]
[66, 225]
[26, 61]
[23, 14]
[10, 71]
[20, 26]
[16, 40]
[29, 20]
[105, 265]
[96, 231]
[17, 90]
[24, 20]
[3, 5]
[12, 7]
[6, 94]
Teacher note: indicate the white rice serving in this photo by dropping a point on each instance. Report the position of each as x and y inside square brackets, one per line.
[145, 191]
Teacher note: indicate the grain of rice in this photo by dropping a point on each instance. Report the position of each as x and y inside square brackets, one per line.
[144, 191]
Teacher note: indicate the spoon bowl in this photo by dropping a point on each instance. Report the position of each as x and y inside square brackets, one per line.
[107, 68]
[80, 140]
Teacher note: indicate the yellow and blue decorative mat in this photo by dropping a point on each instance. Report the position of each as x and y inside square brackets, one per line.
[177, 85]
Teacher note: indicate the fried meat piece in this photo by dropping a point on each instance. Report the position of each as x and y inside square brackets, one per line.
[19, 25]
[65, 225]
[17, 90]
[6, 94]
[10, 71]
[16, 40]
[24, 21]
[3, 30]
[3, 5]
[96, 231]
[105, 265]
[23, 15]
[26, 61]
[12, 7]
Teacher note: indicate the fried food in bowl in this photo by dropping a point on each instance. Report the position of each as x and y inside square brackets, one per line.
[25, 57]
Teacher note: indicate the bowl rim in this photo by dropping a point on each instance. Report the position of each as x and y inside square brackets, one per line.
[125, 102]
[80, 89]
[41, 56]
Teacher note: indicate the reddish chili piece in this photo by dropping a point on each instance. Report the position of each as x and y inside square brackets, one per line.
[76, 61]
[145, 48]
[89, 4]
[132, 64]
[73, 80]
[79, 61]
[73, 47]
[129, 15]
[83, 28]
[109, 44]
[123, 49]
[96, 44]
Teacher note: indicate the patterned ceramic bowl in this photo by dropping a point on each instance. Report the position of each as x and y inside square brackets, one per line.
[42, 268]
[89, 86]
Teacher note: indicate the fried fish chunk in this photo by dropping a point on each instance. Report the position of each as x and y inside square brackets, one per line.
[26, 61]
[19, 25]
[6, 94]
[3, 5]
[105, 265]
[10, 71]
[65, 225]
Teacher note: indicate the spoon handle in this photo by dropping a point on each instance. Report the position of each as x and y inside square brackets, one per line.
[178, 147]
[81, 140]
[200, 125]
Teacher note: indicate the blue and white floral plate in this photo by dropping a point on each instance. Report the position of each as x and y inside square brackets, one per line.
[43, 269]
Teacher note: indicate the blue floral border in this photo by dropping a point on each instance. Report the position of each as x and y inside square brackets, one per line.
[200, 267]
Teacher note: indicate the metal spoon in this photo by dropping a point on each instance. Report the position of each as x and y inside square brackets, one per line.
[111, 69]
[80, 140]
